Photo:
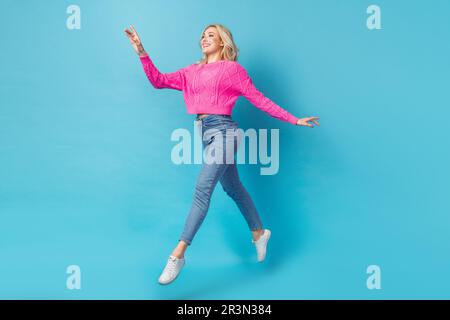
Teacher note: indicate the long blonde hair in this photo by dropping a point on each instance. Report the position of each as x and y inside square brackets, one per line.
[229, 50]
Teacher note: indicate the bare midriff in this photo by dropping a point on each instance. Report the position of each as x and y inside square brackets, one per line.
[202, 115]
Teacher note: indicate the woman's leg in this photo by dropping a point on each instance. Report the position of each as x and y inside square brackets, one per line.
[232, 185]
[210, 174]
[206, 182]
[228, 176]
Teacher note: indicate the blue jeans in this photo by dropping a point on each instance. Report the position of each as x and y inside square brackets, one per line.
[218, 131]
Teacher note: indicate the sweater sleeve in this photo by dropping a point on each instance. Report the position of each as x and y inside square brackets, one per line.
[171, 80]
[252, 94]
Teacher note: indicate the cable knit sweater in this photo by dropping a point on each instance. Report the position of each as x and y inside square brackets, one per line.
[213, 87]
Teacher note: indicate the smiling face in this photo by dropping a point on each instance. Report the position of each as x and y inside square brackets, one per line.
[210, 41]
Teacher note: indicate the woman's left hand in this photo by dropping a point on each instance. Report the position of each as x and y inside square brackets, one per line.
[304, 121]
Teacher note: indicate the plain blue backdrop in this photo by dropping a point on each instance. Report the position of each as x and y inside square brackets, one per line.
[86, 177]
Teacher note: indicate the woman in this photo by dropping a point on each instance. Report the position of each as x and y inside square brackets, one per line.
[210, 89]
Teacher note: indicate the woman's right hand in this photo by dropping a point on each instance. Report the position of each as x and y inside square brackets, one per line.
[135, 41]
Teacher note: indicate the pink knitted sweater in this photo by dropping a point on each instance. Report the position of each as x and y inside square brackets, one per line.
[214, 87]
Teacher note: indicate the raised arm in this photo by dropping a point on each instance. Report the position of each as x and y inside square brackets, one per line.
[172, 80]
[252, 94]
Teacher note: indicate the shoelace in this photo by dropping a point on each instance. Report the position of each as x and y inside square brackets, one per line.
[171, 265]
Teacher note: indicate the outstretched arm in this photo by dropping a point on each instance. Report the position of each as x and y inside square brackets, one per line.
[252, 94]
[172, 80]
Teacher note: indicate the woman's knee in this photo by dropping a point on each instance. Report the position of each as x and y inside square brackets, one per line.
[233, 189]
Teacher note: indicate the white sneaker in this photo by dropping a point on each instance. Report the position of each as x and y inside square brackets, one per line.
[171, 270]
[261, 245]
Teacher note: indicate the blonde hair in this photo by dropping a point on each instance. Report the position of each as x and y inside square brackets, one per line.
[229, 50]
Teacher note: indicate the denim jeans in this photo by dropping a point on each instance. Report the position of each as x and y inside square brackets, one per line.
[218, 135]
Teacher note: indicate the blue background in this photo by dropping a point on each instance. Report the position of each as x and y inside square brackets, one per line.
[86, 176]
